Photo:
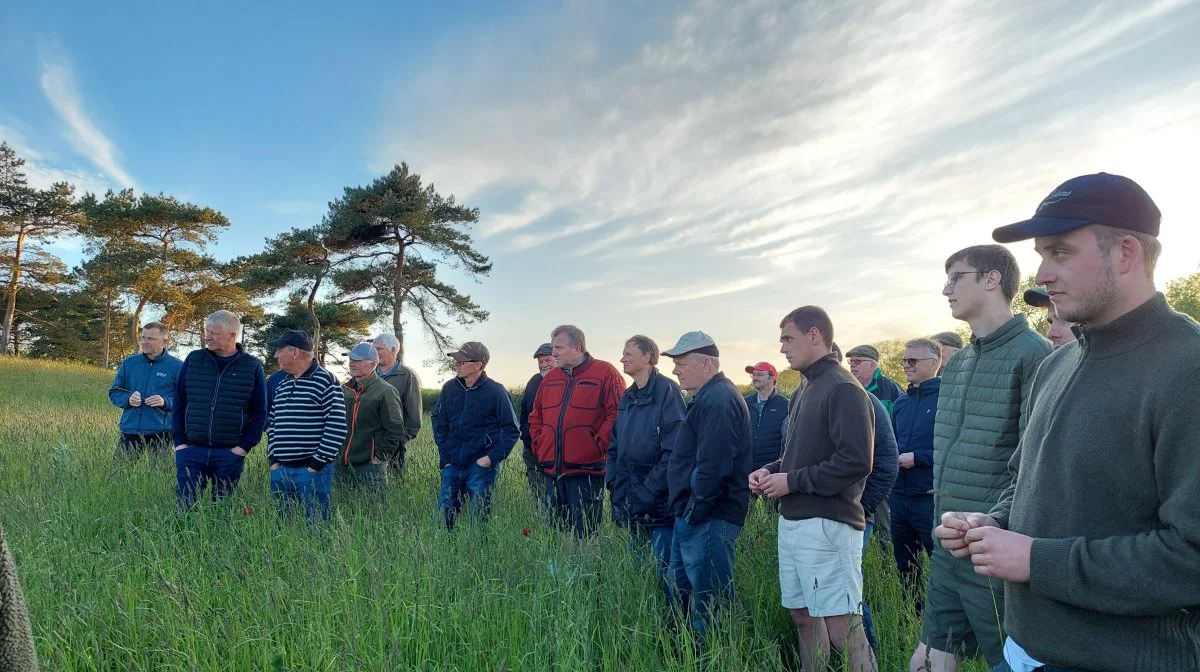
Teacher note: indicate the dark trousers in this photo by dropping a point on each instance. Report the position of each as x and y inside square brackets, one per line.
[912, 532]
[576, 500]
[395, 458]
[197, 466]
[534, 475]
[133, 445]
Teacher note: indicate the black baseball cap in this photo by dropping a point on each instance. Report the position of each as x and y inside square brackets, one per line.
[295, 338]
[1037, 297]
[1100, 199]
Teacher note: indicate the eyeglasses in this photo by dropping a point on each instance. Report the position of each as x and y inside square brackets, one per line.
[911, 363]
[953, 277]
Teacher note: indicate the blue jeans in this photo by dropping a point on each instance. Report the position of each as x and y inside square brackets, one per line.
[868, 624]
[292, 486]
[474, 483]
[196, 466]
[702, 568]
[659, 539]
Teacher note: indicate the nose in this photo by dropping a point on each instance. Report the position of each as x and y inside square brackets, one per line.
[1044, 275]
[947, 290]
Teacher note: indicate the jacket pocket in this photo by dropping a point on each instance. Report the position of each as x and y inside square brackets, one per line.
[586, 395]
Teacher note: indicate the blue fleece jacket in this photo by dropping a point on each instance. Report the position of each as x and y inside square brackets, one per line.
[470, 422]
[150, 377]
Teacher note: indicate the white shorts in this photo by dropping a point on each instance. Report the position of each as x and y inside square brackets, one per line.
[820, 566]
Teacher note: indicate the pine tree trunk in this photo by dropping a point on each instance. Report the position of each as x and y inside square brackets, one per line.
[11, 310]
[107, 335]
[137, 321]
[397, 302]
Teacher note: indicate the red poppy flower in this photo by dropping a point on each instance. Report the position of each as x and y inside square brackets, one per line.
[524, 531]
[249, 510]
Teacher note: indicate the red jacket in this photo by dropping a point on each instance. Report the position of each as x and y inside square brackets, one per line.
[572, 417]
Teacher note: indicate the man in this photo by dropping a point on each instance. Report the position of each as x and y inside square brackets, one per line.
[820, 481]
[533, 474]
[864, 364]
[17, 651]
[406, 382]
[648, 420]
[219, 414]
[474, 427]
[768, 411]
[950, 343]
[374, 422]
[571, 425]
[706, 480]
[1059, 332]
[980, 417]
[144, 390]
[1098, 538]
[306, 427]
[912, 496]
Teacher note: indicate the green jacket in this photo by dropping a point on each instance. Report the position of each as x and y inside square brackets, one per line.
[16, 641]
[374, 421]
[407, 383]
[981, 414]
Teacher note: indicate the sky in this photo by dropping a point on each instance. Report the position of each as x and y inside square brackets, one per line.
[640, 168]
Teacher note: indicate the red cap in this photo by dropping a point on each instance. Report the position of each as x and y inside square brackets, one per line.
[763, 366]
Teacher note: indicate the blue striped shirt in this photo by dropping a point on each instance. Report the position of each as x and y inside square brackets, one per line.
[306, 424]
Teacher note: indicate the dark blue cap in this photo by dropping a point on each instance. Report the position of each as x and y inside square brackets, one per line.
[543, 350]
[293, 337]
[1100, 199]
[1037, 297]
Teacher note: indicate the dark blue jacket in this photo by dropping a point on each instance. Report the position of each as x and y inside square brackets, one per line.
[273, 382]
[140, 373]
[470, 422]
[648, 421]
[709, 469]
[767, 427]
[527, 398]
[913, 421]
[220, 404]
[885, 462]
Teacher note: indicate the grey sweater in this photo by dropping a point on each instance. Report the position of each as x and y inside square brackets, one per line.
[1108, 484]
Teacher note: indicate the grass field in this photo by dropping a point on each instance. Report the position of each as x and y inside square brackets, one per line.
[116, 581]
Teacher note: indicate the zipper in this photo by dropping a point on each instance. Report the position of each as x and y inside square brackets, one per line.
[559, 448]
[962, 411]
[353, 424]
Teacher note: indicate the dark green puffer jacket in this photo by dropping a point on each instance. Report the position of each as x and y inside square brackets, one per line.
[16, 641]
[981, 414]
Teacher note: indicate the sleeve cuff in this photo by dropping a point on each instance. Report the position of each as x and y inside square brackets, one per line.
[1048, 562]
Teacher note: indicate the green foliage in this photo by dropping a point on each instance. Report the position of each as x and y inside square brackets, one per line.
[1038, 318]
[343, 326]
[1184, 295]
[115, 581]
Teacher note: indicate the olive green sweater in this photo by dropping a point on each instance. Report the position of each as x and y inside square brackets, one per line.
[1108, 485]
[16, 641]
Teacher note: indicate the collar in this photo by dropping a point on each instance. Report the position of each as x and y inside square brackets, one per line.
[1128, 332]
[1004, 334]
[478, 381]
[932, 385]
[717, 379]
[820, 366]
[587, 359]
[312, 366]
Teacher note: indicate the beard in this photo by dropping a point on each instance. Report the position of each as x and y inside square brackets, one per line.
[1093, 305]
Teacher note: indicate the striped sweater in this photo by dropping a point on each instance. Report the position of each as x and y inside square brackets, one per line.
[306, 424]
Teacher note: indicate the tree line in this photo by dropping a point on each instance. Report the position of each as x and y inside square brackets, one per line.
[377, 253]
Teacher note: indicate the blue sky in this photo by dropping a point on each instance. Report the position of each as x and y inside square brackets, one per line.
[640, 167]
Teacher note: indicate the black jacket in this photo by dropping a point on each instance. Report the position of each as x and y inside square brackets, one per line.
[220, 405]
[767, 427]
[708, 472]
[648, 421]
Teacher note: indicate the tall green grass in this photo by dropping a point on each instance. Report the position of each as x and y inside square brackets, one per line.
[116, 581]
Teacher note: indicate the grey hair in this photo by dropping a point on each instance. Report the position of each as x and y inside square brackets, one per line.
[928, 344]
[574, 335]
[225, 318]
[715, 362]
[388, 341]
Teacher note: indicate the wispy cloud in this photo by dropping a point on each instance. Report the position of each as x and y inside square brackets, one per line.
[701, 290]
[58, 84]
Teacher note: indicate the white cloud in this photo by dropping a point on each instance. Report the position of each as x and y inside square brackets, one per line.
[58, 83]
[700, 290]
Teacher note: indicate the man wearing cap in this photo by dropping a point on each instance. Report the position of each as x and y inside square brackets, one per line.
[912, 496]
[1059, 332]
[474, 427]
[374, 422]
[706, 480]
[220, 412]
[820, 481]
[306, 427]
[144, 390]
[1098, 537]
[864, 364]
[980, 416]
[768, 411]
[393, 372]
[533, 474]
[950, 343]
[571, 426]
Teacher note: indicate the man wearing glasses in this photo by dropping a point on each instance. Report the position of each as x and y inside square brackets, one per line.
[980, 417]
[144, 390]
[912, 496]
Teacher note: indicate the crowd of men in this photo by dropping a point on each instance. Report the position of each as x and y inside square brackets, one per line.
[1053, 484]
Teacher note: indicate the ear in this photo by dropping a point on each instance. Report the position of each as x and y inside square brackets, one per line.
[1127, 255]
[993, 280]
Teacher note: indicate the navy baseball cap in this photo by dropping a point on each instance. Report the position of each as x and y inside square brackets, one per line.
[295, 338]
[1037, 297]
[1100, 199]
